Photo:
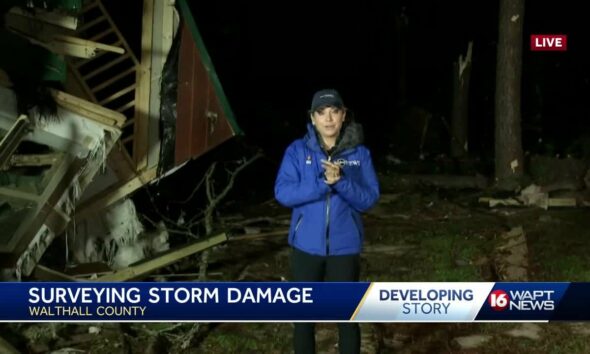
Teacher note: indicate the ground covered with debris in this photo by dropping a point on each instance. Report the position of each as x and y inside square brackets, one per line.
[414, 234]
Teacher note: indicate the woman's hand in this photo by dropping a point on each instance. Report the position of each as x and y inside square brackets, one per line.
[332, 172]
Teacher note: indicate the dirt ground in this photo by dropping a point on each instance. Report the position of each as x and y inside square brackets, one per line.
[419, 234]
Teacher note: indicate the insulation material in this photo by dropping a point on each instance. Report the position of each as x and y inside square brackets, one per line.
[86, 142]
[28, 260]
[116, 237]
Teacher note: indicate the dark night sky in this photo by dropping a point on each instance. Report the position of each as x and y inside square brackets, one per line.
[271, 57]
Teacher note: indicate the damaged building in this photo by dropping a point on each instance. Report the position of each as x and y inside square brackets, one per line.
[86, 121]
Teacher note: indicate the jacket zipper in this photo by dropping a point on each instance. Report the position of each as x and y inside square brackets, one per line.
[299, 220]
[328, 219]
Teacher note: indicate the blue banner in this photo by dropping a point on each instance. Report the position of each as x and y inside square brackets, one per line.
[292, 301]
[179, 301]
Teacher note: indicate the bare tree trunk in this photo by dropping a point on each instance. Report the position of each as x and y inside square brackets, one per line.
[213, 200]
[460, 114]
[508, 146]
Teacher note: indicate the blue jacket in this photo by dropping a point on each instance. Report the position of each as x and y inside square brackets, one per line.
[326, 219]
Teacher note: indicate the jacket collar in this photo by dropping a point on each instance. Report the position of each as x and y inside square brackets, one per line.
[350, 137]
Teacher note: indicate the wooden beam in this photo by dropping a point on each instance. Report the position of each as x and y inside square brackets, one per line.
[43, 273]
[162, 36]
[145, 268]
[78, 47]
[113, 79]
[125, 107]
[258, 236]
[51, 17]
[116, 193]
[106, 66]
[12, 139]
[102, 34]
[120, 162]
[121, 40]
[57, 167]
[92, 23]
[142, 94]
[118, 94]
[89, 109]
[35, 27]
[15, 193]
[562, 202]
[34, 160]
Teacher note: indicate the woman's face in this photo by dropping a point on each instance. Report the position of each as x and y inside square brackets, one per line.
[328, 121]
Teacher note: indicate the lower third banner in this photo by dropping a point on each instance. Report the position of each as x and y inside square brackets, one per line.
[293, 302]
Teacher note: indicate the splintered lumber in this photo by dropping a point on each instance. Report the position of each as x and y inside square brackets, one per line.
[280, 232]
[116, 192]
[77, 47]
[10, 141]
[542, 202]
[33, 160]
[151, 265]
[54, 18]
[562, 202]
[43, 273]
[492, 202]
[88, 109]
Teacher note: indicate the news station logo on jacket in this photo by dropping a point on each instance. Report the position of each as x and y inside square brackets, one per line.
[326, 220]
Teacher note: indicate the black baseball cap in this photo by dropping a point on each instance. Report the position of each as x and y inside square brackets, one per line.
[326, 97]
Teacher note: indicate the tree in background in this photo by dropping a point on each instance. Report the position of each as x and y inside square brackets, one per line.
[508, 148]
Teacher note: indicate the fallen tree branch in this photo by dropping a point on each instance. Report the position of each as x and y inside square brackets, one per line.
[259, 235]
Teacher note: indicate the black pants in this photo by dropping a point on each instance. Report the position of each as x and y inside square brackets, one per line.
[307, 267]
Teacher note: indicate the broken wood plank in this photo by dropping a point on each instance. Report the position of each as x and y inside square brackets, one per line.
[32, 28]
[15, 193]
[33, 160]
[101, 35]
[116, 192]
[142, 94]
[92, 23]
[89, 109]
[492, 202]
[540, 202]
[51, 17]
[99, 70]
[113, 79]
[70, 45]
[391, 250]
[122, 41]
[144, 268]
[44, 273]
[120, 162]
[259, 235]
[12, 139]
[562, 202]
[118, 94]
[81, 48]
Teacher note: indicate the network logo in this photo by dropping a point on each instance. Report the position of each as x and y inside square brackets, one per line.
[499, 300]
[522, 300]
